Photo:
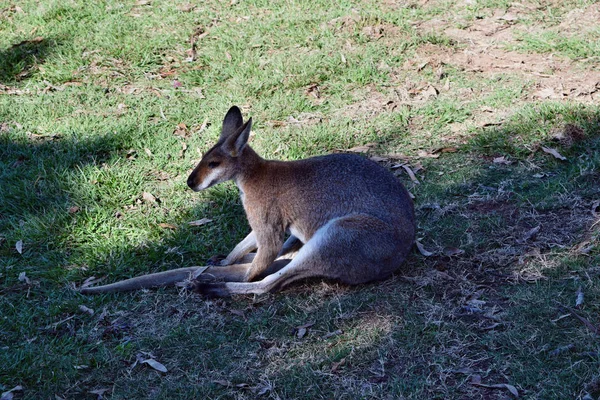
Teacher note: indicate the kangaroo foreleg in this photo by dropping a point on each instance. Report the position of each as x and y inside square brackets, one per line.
[290, 247]
[241, 249]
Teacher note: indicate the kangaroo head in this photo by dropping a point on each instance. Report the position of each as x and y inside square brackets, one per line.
[222, 162]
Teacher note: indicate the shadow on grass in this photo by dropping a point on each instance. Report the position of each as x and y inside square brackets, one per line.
[19, 61]
[64, 203]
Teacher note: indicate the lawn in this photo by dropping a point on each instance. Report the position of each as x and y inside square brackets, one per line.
[493, 106]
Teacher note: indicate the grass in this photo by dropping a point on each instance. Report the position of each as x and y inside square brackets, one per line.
[92, 102]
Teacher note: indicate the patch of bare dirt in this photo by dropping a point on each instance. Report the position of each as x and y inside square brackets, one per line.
[368, 28]
[481, 51]
[580, 20]
[484, 51]
[370, 102]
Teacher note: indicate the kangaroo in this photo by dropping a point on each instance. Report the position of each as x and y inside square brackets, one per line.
[348, 219]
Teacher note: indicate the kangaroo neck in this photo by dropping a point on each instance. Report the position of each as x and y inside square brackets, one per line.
[250, 165]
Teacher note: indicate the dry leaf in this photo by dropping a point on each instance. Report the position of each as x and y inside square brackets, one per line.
[502, 160]
[303, 329]
[397, 156]
[147, 150]
[301, 333]
[422, 65]
[336, 365]
[464, 370]
[510, 388]
[181, 130]
[452, 251]
[422, 249]
[445, 150]
[362, 149]
[430, 92]
[531, 234]
[131, 154]
[9, 394]
[99, 392]
[183, 149]
[23, 278]
[19, 246]
[86, 309]
[332, 334]
[579, 298]
[410, 173]
[242, 386]
[378, 158]
[426, 154]
[149, 198]
[509, 17]
[203, 126]
[167, 226]
[73, 210]
[554, 153]
[261, 390]
[313, 90]
[546, 93]
[186, 7]
[239, 313]
[200, 222]
[155, 364]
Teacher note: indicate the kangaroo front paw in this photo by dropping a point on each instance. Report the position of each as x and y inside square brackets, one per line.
[216, 260]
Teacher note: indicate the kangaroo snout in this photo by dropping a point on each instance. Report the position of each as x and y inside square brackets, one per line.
[192, 183]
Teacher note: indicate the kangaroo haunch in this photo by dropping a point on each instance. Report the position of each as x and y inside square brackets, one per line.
[348, 219]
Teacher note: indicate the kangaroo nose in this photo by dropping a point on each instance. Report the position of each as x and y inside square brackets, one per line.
[190, 182]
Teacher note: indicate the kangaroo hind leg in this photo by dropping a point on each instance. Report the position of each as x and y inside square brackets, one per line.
[311, 261]
[352, 249]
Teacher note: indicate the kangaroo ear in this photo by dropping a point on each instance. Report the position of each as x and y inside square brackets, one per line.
[232, 122]
[235, 143]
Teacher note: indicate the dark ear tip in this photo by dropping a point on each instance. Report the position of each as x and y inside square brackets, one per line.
[234, 109]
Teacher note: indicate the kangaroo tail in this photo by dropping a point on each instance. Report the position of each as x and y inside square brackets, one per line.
[158, 279]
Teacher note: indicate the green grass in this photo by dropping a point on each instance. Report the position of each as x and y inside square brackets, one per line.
[576, 47]
[91, 95]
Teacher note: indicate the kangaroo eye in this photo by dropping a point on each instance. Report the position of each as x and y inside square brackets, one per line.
[213, 164]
